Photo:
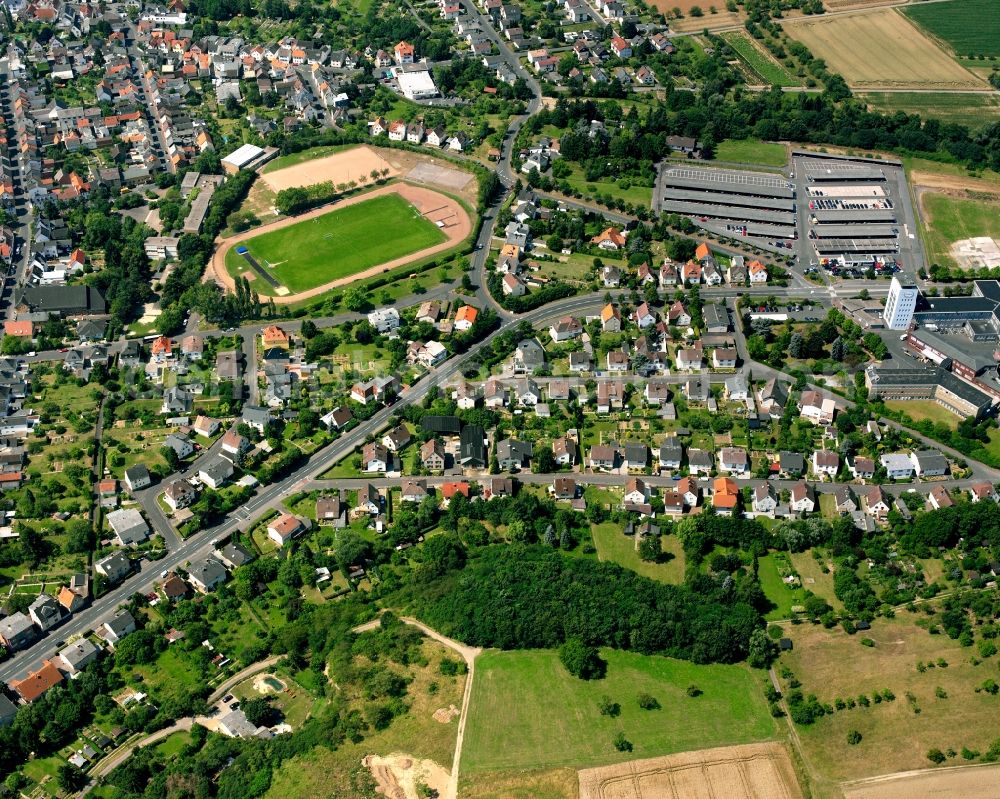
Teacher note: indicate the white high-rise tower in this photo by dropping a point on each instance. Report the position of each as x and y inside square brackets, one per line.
[900, 304]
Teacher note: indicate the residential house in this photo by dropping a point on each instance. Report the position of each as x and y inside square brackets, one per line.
[77, 656]
[413, 490]
[636, 492]
[611, 319]
[844, 501]
[609, 239]
[206, 575]
[564, 488]
[128, 525]
[980, 492]
[465, 317]
[137, 477]
[565, 329]
[17, 631]
[825, 463]
[700, 461]
[117, 628]
[285, 528]
[564, 451]
[862, 468]
[605, 457]
[897, 465]
[36, 683]
[733, 460]
[791, 464]
[929, 463]
[764, 499]
[513, 454]
[115, 567]
[396, 439]
[877, 502]
[216, 473]
[671, 453]
[724, 358]
[802, 499]
[725, 496]
[179, 494]
[331, 512]
[938, 498]
[375, 457]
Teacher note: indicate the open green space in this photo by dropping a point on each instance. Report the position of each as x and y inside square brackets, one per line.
[338, 244]
[769, 69]
[783, 596]
[919, 410]
[613, 545]
[624, 189]
[752, 151]
[968, 26]
[950, 219]
[972, 110]
[528, 712]
[834, 665]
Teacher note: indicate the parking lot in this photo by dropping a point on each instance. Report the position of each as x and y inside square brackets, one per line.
[842, 215]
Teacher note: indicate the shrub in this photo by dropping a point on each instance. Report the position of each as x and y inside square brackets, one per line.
[623, 744]
[609, 707]
[867, 642]
[854, 737]
[648, 702]
[935, 756]
[693, 691]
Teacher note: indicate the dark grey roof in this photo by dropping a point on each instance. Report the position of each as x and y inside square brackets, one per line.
[207, 571]
[450, 425]
[473, 449]
[791, 462]
[63, 299]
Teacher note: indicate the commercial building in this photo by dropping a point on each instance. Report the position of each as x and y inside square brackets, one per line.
[248, 156]
[945, 388]
[900, 304]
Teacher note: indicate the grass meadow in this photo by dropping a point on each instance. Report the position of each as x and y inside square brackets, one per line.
[527, 712]
[972, 110]
[950, 219]
[752, 151]
[895, 737]
[340, 243]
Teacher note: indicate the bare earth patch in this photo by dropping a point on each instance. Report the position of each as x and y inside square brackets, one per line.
[445, 714]
[354, 164]
[398, 775]
[733, 772]
[969, 782]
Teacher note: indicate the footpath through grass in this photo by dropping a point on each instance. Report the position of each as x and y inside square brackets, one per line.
[528, 712]
[340, 243]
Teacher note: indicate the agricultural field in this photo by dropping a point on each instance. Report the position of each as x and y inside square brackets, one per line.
[528, 712]
[752, 151]
[896, 55]
[946, 711]
[340, 243]
[949, 219]
[970, 27]
[760, 62]
[972, 110]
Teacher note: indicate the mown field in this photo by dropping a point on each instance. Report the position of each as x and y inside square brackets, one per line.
[972, 110]
[951, 219]
[971, 27]
[752, 151]
[895, 736]
[771, 71]
[527, 712]
[340, 243]
[882, 49]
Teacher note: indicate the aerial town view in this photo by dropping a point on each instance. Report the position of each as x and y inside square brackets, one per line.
[500, 399]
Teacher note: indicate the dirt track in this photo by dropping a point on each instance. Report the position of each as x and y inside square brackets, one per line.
[963, 782]
[354, 164]
[430, 203]
[732, 772]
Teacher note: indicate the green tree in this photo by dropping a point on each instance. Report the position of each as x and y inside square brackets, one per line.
[581, 660]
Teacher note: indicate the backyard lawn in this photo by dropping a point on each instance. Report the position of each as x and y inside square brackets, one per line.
[613, 545]
[340, 243]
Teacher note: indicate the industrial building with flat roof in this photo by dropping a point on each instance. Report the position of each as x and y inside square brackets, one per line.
[940, 385]
[248, 156]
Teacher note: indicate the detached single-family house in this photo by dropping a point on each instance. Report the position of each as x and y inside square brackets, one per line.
[285, 528]
[826, 463]
[802, 499]
[733, 460]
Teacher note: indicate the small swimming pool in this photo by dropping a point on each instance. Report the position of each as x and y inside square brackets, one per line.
[273, 683]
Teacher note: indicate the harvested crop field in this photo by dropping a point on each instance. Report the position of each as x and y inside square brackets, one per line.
[734, 772]
[342, 167]
[882, 49]
[971, 782]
